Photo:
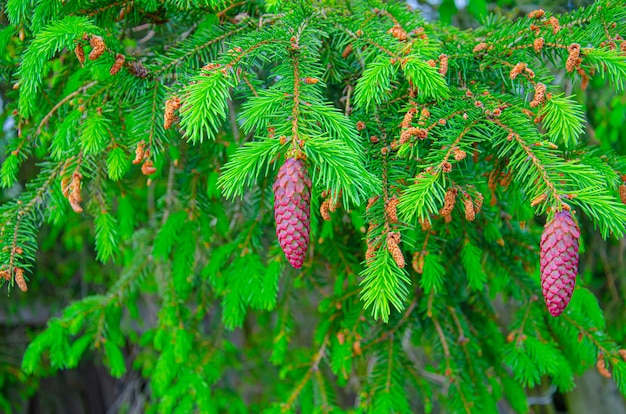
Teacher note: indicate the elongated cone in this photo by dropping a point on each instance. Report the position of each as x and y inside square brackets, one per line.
[559, 261]
[292, 210]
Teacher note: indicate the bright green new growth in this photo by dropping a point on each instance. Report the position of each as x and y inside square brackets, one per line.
[382, 105]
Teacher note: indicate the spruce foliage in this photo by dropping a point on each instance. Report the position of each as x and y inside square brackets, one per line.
[435, 153]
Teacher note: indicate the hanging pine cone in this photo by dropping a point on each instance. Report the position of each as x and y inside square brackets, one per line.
[292, 205]
[559, 261]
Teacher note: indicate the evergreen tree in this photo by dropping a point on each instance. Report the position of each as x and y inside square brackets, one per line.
[405, 167]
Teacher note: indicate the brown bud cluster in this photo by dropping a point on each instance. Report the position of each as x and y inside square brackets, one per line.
[418, 262]
[393, 241]
[19, 279]
[573, 60]
[622, 193]
[140, 152]
[334, 203]
[209, 67]
[535, 29]
[478, 203]
[610, 44]
[142, 155]
[347, 51]
[446, 167]
[71, 191]
[139, 70]
[371, 202]
[360, 126]
[398, 32]
[536, 14]
[408, 117]
[406, 135]
[470, 213]
[584, 79]
[310, 81]
[392, 209]
[480, 47]
[459, 154]
[517, 69]
[601, 367]
[421, 133]
[329, 205]
[148, 168]
[420, 33]
[538, 44]
[119, 62]
[540, 95]
[538, 200]
[325, 209]
[98, 47]
[554, 22]
[443, 64]
[370, 253]
[171, 105]
[80, 53]
[449, 201]
[373, 243]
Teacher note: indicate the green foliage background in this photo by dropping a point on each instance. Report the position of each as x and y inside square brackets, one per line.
[175, 281]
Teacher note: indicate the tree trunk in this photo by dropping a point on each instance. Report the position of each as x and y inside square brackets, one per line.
[595, 394]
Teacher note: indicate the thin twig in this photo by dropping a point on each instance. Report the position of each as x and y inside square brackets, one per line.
[78, 91]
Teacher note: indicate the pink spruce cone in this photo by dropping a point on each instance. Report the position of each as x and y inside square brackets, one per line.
[292, 210]
[559, 261]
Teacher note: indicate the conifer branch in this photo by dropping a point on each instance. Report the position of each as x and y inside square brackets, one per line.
[389, 377]
[317, 358]
[58, 35]
[378, 104]
[615, 357]
[443, 341]
[403, 320]
[325, 406]
[22, 211]
[532, 157]
[296, 98]
[194, 51]
[94, 12]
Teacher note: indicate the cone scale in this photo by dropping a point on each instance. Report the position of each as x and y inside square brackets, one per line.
[559, 261]
[292, 210]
